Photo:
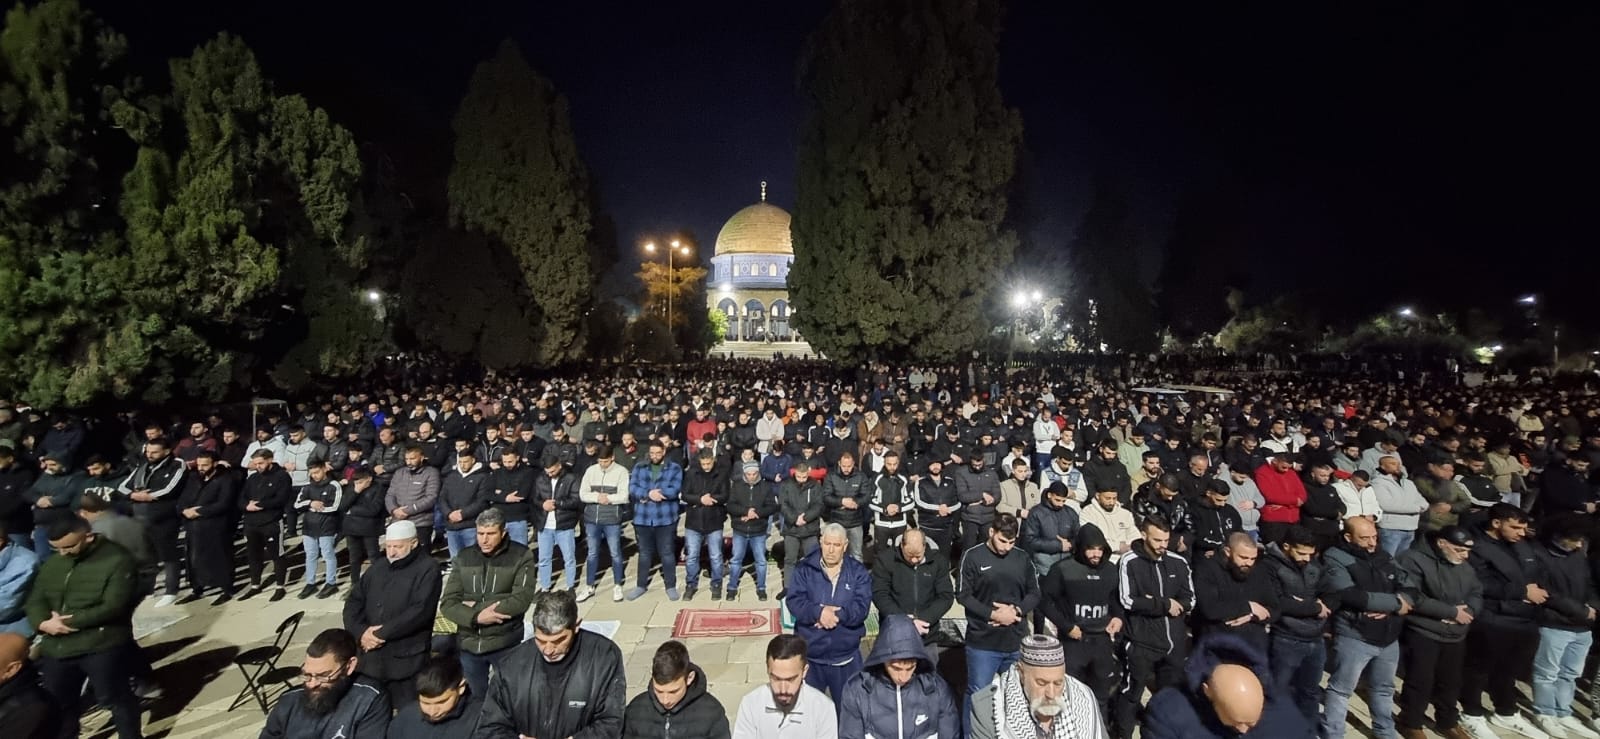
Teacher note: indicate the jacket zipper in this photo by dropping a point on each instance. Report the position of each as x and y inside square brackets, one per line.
[899, 714]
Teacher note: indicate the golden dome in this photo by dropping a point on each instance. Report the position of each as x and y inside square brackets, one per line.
[762, 228]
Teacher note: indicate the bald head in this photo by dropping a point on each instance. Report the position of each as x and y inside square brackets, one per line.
[13, 652]
[1362, 532]
[1235, 695]
[913, 546]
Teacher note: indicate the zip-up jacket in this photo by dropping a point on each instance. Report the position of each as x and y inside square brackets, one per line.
[1505, 570]
[837, 487]
[1042, 532]
[1107, 474]
[895, 490]
[468, 493]
[1356, 583]
[797, 498]
[1284, 492]
[923, 590]
[326, 521]
[928, 494]
[1221, 595]
[668, 477]
[872, 705]
[744, 496]
[1571, 585]
[162, 480]
[62, 491]
[1440, 587]
[363, 713]
[564, 491]
[698, 715]
[698, 483]
[1210, 526]
[477, 581]
[811, 590]
[506, 482]
[970, 486]
[414, 490]
[1296, 591]
[365, 513]
[1145, 584]
[583, 696]
[98, 587]
[988, 578]
[269, 489]
[1078, 594]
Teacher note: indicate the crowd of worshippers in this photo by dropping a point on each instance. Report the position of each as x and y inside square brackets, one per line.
[1248, 558]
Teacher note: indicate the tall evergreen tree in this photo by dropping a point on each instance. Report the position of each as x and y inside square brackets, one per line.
[518, 178]
[905, 158]
[1110, 303]
[1196, 266]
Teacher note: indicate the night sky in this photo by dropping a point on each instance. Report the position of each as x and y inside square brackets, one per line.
[1368, 154]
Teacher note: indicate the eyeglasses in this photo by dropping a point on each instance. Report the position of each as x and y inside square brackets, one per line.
[322, 679]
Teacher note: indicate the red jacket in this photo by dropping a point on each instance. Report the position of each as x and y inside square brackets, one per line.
[1284, 493]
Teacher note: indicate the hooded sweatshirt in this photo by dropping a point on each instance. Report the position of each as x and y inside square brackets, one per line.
[698, 714]
[1079, 594]
[1185, 713]
[872, 705]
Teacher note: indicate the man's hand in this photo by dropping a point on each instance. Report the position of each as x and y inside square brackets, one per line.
[800, 520]
[1174, 608]
[45, 503]
[1075, 633]
[252, 506]
[490, 616]
[1066, 544]
[370, 640]
[829, 617]
[515, 497]
[1259, 612]
[142, 496]
[454, 517]
[191, 513]
[1439, 509]
[548, 505]
[1113, 627]
[849, 504]
[1537, 595]
[988, 499]
[1004, 614]
[56, 625]
[377, 469]
[318, 506]
[944, 510]
[290, 466]
[892, 510]
[1022, 513]
[922, 626]
[1325, 611]
[1405, 605]
[656, 495]
[1463, 614]
[750, 515]
[1240, 621]
[707, 501]
[1589, 507]
[1376, 615]
[1591, 613]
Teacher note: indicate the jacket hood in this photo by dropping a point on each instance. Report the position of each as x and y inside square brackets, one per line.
[697, 688]
[476, 468]
[1215, 650]
[1090, 535]
[898, 639]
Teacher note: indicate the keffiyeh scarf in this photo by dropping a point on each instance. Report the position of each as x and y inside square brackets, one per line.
[1013, 718]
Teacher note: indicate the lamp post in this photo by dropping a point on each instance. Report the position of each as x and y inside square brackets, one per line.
[1021, 302]
[672, 278]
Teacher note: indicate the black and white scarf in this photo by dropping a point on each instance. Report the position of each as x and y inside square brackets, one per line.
[1013, 718]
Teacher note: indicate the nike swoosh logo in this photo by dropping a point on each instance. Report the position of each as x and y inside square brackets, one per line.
[984, 569]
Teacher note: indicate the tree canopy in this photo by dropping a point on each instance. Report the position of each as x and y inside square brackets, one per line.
[905, 158]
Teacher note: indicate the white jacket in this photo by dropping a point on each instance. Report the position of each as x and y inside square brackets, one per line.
[1358, 503]
[1045, 434]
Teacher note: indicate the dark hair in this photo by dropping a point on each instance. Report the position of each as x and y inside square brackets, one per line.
[362, 475]
[1508, 512]
[1005, 524]
[656, 444]
[1168, 481]
[1157, 522]
[802, 464]
[605, 452]
[205, 454]
[1298, 536]
[65, 526]
[337, 643]
[440, 673]
[262, 453]
[554, 611]
[413, 448]
[93, 503]
[297, 428]
[670, 663]
[785, 646]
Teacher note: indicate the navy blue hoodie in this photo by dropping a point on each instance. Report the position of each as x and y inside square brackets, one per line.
[1185, 712]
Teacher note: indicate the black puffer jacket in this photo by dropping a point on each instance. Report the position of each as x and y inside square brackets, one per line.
[1571, 584]
[26, 710]
[698, 716]
[1296, 589]
[836, 487]
[1108, 474]
[1440, 587]
[583, 695]
[1356, 583]
[467, 492]
[1505, 570]
[1222, 594]
[562, 489]
[698, 483]
[923, 590]
[742, 497]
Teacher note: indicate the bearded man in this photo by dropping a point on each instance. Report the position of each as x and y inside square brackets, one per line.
[1036, 698]
[333, 700]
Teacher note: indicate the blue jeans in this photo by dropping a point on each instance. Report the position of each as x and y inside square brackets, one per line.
[612, 533]
[476, 668]
[692, 541]
[41, 543]
[1556, 667]
[1352, 657]
[320, 547]
[459, 539]
[756, 546]
[1297, 666]
[657, 543]
[549, 539]
[518, 531]
[982, 666]
[1395, 541]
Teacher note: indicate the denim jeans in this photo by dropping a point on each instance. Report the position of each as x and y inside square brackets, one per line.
[518, 531]
[612, 533]
[982, 666]
[657, 543]
[549, 539]
[459, 539]
[756, 546]
[1297, 666]
[1395, 541]
[320, 547]
[1556, 667]
[41, 543]
[1352, 657]
[692, 541]
[476, 668]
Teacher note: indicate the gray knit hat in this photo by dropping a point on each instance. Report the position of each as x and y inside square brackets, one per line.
[1041, 650]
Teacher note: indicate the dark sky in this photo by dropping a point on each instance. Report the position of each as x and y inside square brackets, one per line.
[1372, 153]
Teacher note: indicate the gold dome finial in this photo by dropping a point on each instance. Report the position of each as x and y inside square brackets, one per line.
[763, 191]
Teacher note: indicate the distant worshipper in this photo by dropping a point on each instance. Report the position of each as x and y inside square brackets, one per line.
[1223, 696]
[1036, 698]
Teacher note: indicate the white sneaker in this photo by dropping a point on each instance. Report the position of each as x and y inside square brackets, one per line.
[1517, 723]
[1550, 725]
[166, 600]
[584, 593]
[616, 593]
[1576, 727]
[1478, 727]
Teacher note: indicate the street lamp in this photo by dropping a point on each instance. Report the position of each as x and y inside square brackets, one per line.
[374, 296]
[1407, 312]
[1021, 302]
[1528, 300]
[672, 276]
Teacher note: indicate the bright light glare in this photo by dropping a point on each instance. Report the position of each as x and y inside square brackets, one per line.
[650, 246]
[1528, 299]
[374, 296]
[1037, 296]
[1407, 313]
[1019, 300]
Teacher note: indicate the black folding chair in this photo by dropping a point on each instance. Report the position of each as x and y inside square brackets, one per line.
[261, 670]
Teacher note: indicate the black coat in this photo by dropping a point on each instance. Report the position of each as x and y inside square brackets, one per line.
[460, 723]
[272, 491]
[468, 493]
[836, 487]
[699, 715]
[1298, 608]
[522, 699]
[505, 482]
[26, 710]
[210, 537]
[1222, 595]
[698, 483]
[742, 497]
[924, 590]
[403, 597]
[1505, 571]
[364, 511]
[1108, 474]
[562, 489]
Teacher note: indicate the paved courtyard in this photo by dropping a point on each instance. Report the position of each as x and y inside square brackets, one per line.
[193, 654]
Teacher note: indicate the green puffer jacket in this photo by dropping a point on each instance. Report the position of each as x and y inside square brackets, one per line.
[477, 581]
[97, 588]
